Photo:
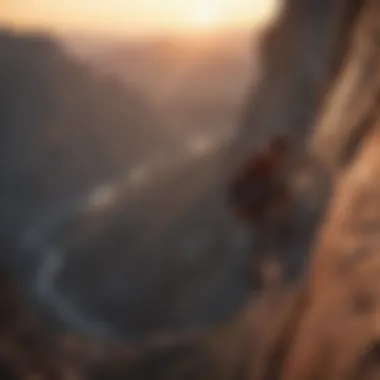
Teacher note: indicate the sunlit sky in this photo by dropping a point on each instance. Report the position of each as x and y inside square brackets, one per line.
[134, 15]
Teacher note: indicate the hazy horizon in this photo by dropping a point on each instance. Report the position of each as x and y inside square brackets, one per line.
[128, 17]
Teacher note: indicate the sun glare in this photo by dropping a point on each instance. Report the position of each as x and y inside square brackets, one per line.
[141, 15]
[214, 14]
[203, 18]
[203, 15]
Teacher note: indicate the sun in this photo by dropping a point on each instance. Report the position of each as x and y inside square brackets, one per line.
[203, 14]
[203, 17]
[219, 14]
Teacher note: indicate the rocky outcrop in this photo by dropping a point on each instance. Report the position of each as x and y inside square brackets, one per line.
[333, 331]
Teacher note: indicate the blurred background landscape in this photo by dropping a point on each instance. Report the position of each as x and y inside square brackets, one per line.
[114, 119]
[188, 62]
[132, 90]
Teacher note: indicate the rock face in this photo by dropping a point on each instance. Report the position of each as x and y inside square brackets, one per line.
[343, 284]
[332, 332]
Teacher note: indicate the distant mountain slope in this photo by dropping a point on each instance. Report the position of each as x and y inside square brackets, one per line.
[64, 128]
[100, 234]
